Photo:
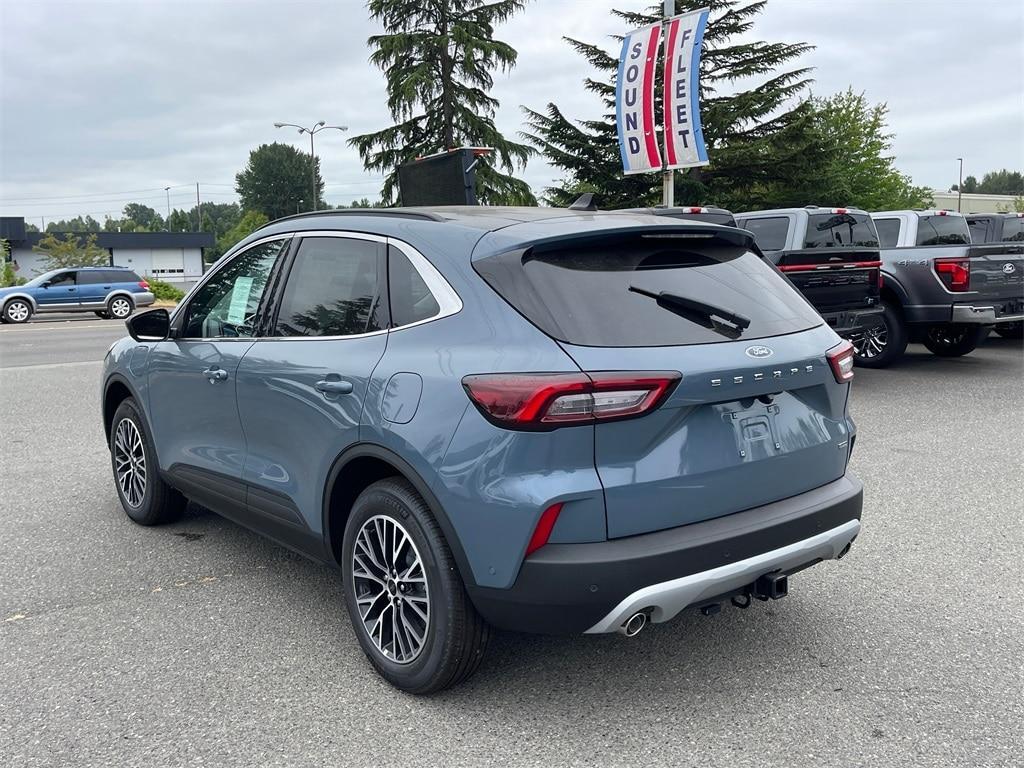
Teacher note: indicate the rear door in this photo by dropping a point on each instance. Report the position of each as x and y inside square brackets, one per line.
[93, 287]
[301, 387]
[61, 290]
[758, 415]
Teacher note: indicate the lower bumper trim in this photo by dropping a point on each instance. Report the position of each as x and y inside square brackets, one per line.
[668, 598]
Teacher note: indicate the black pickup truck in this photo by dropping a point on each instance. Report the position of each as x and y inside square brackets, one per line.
[999, 228]
[831, 255]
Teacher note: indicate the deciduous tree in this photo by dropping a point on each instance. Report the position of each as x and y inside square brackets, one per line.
[71, 251]
[275, 179]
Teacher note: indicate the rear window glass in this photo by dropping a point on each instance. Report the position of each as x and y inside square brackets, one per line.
[724, 218]
[888, 232]
[840, 230]
[769, 233]
[943, 230]
[979, 230]
[1013, 230]
[606, 292]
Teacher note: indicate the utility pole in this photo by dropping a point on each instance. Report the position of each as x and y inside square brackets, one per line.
[668, 177]
[199, 211]
[167, 223]
[320, 126]
[960, 185]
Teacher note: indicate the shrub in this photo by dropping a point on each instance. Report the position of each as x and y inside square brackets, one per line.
[165, 291]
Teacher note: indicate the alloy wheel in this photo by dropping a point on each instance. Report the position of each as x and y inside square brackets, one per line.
[871, 342]
[391, 590]
[120, 308]
[17, 311]
[130, 463]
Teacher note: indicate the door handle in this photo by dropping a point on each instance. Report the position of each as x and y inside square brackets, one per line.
[215, 374]
[334, 386]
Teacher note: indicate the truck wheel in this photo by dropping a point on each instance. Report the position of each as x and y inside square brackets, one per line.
[1011, 330]
[408, 605]
[953, 339]
[882, 344]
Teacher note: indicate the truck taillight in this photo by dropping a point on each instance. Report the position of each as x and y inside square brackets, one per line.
[540, 401]
[955, 274]
[841, 359]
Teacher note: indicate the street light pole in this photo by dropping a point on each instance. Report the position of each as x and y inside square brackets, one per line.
[168, 222]
[320, 126]
[960, 185]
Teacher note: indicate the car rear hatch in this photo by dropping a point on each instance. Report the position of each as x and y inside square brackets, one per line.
[839, 267]
[758, 414]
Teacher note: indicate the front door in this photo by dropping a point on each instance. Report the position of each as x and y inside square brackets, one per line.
[301, 388]
[199, 438]
[61, 290]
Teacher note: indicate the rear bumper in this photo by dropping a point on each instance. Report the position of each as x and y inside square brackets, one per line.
[983, 315]
[574, 588]
[852, 322]
[143, 298]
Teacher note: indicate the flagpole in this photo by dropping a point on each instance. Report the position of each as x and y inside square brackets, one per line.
[668, 182]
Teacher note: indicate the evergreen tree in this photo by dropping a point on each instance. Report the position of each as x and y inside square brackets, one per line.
[755, 140]
[437, 57]
[276, 179]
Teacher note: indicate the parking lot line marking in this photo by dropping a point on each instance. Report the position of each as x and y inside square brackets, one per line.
[48, 365]
[54, 327]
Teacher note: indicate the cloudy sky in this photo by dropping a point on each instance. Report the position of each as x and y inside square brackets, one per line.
[103, 103]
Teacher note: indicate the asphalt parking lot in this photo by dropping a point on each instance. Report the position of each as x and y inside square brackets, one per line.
[201, 644]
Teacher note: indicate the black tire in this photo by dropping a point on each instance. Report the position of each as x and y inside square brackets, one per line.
[17, 310]
[883, 344]
[1011, 330]
[120, 307]
[159, 503]
[455, 637]
[102, 314]
[954, 339]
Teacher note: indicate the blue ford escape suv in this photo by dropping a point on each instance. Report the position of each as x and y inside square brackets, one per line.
[535, 419]
[108, 291]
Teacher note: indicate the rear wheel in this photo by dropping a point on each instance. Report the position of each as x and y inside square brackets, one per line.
[120, 307]
[145, 497]
[17, 311]
[884, 343]
[408, 605]
[1011, 330]
[954, 339]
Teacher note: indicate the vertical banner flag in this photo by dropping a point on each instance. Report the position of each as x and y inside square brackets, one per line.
[684, 141]
[634, 101]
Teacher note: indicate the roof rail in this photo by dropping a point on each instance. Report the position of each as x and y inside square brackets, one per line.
[402, 213]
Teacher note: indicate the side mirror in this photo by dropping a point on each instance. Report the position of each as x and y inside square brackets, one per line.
[154, 325]
[46, 283]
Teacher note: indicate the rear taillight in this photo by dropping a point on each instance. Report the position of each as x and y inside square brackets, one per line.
[841, 360]
[955, 274]
[143, 285]
[548, 400]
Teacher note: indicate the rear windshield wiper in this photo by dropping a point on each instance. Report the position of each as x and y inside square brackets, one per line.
[717, 319]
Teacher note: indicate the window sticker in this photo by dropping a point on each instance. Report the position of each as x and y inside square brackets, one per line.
[239, 300]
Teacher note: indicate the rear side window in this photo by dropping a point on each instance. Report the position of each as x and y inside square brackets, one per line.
[943, 230]
[888, 232]
[1013, 230]
[410, 298]
[839, 230]
[637, 291]
[92, 277]
[769, 233]
[333, 289]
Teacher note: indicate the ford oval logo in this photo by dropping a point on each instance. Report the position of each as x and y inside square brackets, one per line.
[1008, 268]
[759, 352]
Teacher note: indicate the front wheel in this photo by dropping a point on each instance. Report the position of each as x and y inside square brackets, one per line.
[120, 307]
[408, 605]
[883, 343]
[954, 339]
[17, 311]
[145, 497]
[1011, 330]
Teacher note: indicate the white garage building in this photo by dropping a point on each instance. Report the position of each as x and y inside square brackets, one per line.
[174, 257]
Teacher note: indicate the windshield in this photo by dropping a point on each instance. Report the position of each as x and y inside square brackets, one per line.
[943, 230]
[840, 230]
[44, 277]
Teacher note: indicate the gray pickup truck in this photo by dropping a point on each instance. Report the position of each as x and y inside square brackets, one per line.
[939, 288]
[999, 228]
[831, 256]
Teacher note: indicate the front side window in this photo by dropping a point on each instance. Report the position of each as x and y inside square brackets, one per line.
[226, 305]
[769, 233]
[888, 232]
[410, 298]
[333, 289]
[943, 230]
[62, 280]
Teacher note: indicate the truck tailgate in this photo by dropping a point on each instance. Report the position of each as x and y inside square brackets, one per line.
[834, 278]
[997, 272]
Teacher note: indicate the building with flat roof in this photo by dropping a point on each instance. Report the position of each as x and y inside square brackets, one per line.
[974, 202]
[174, 257]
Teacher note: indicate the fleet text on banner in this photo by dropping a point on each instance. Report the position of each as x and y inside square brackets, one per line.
[634, 101]
[684, 141]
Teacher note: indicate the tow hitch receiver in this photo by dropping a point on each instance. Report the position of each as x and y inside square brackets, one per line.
[771, 586]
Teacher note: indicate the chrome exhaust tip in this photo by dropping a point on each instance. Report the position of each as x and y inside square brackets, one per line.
[634, 625]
